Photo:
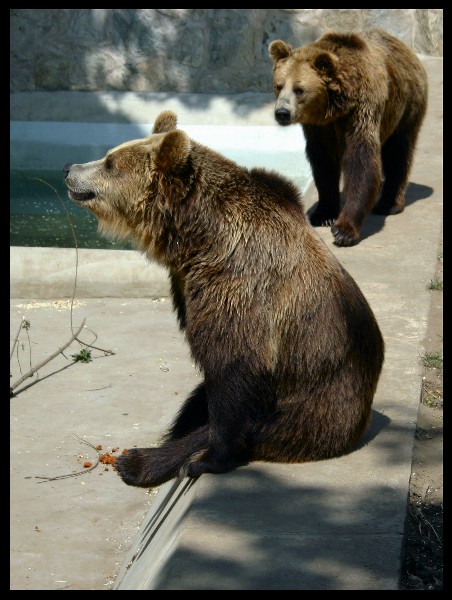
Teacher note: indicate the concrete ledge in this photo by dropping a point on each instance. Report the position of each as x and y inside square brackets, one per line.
[51, 273]
[248, 108]
[157, 537]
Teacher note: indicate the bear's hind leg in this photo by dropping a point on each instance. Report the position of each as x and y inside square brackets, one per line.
[319, 434]
[150, 467]
[397, 155]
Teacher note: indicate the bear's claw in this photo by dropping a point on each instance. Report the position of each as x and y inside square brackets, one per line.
[128, 468]
[321, 220]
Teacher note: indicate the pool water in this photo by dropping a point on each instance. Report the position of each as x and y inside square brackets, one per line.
[41, 214]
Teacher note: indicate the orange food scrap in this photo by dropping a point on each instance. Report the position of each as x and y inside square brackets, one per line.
[87, 464]
[107, 459]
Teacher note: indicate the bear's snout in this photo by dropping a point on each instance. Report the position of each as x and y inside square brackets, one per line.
[282, 116]
[78, 191]
[67, 168]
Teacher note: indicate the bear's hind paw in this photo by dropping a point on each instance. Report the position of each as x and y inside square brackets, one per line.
[387, 209]
[143, 467]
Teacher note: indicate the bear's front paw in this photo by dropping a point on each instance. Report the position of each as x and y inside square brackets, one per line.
[344, 237]
[209, 463]
[320, 218]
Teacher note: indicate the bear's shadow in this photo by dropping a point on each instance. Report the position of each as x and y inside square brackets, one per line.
[375, 223]
[378, 422]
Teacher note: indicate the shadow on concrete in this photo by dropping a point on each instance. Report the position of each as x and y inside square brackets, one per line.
[288, 532]
[378, 422]
[294, 533]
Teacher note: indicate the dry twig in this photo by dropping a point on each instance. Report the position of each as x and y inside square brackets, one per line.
[86, 470]
[74, 335]
[45, 361]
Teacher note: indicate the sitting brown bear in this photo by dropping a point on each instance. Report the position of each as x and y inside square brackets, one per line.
[288, 347]
[361, 99]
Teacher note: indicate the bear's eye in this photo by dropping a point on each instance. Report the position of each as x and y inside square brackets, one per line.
[109, 164]
[298, 91]
[278, 87]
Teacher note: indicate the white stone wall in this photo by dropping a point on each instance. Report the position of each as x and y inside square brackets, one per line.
[183, 50]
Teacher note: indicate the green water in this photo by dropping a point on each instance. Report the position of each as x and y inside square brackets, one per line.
[41, 214]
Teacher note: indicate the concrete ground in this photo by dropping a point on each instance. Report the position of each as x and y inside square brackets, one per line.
[334, 525]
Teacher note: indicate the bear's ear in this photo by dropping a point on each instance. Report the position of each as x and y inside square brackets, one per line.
[173, 151]
[279, 49]
[166, 121]
[326, 64]
[346, 40]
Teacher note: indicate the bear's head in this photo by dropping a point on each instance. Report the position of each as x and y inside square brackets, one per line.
[124, 185]
[308, 83]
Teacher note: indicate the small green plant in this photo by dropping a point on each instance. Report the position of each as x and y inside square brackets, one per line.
[433, 360]
[432, 398]
[83, 356]
[435, 284]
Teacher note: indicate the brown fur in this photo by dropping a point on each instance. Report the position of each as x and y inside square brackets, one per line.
[361, 99]
[289, 348]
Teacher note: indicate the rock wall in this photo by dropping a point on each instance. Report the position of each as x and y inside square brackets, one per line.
[183, 50]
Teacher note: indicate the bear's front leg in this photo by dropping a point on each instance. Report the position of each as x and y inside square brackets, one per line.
[362, 180]
[323, 218]
[238, 402]
[324, 155]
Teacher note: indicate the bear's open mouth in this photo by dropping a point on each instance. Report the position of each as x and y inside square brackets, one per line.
[81, 196]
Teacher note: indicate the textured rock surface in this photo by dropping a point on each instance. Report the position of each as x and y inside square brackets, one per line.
[193, 50]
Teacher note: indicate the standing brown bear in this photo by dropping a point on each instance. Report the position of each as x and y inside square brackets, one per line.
[361, 99]
[288, 347]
